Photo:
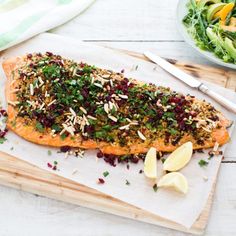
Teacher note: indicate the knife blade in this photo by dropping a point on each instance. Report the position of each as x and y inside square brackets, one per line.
[190, 81]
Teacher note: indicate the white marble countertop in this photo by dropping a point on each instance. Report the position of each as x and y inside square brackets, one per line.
[132, 25]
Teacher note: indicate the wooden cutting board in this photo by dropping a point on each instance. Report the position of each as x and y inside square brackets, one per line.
[21, 175]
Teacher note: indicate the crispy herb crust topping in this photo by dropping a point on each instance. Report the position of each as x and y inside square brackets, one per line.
[61, 97]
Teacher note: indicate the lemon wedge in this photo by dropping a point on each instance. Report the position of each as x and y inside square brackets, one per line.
[150, 163]
[174, 180]
[179, 158]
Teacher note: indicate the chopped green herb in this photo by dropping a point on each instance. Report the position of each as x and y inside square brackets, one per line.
[2, 140]
[127, 182]
[52, 71]
[105, 174]
[11, 148]
[63, 136]
[203, 163]
[155, 188]
[163, 160]
[55, 162]
[56, 127]
[73, 82]
[39, 127]
[173, 131]
[49, 152]
[100, 134]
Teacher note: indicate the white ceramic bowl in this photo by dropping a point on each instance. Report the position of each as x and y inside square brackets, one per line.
[181, 13]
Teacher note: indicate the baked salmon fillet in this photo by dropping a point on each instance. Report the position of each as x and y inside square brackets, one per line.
[57, 102]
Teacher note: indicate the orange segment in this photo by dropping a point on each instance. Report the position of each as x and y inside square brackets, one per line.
[224, 11]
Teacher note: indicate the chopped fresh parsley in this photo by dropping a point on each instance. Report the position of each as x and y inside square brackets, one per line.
[56, 127]
[105, 174]
[127, 182]
[100, 134]
[63, 136]
[203, 163]
[155, 188]
[173, 131]
[2, 140]
[52, 71]
[49, 152]
[163, 160]
[39, 127]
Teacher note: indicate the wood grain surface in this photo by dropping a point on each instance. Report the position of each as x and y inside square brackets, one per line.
[220, 76]
[24, 176]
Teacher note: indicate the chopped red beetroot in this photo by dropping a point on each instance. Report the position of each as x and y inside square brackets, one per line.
[4, 131]
[101, 181]
[54, 168]
[100, 154]
[114, 159]
[3, 112]
[49, 165]
[49, 54]
[65, 148]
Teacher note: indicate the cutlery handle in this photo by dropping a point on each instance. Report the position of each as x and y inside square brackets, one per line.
[217, 97]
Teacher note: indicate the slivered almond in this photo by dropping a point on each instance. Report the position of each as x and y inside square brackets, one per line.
[112, 118]
[207, 130]
[31, 89]
[106, 108]
[41, 81]
[106, 76]
[216, 146]
[123, 96]
[66, 155]
[69, 129]
[111, 105]
[91, 117]
[13, 103]
[124, 127]
[130, 82]
[111, 82]
[134, 123]
[141, 135]
[42, 106]
[62, 132]
[83, 110]
[72, 112]
[52, 102]
[98, 85]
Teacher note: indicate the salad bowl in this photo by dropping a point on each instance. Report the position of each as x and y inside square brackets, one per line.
[182, 11]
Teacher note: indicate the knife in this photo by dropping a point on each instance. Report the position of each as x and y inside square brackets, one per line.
[191, 81]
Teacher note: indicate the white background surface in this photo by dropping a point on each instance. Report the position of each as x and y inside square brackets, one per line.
[133, 25]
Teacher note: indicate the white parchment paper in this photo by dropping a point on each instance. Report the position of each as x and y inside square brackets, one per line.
[164, 203]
